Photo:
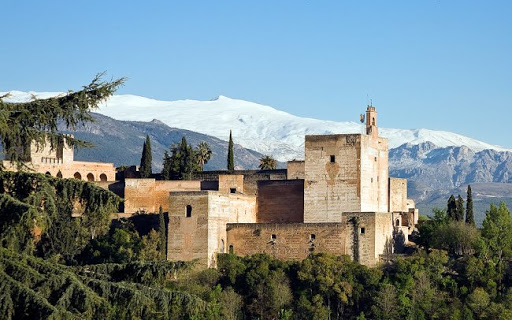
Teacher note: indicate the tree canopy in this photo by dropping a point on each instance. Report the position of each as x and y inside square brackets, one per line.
[36, 121]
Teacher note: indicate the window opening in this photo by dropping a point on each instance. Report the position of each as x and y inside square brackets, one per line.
[333, 158]
[189, 211]
[232, 190]
[362, 230]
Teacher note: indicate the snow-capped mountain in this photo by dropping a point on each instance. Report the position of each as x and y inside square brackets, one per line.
[255, 126]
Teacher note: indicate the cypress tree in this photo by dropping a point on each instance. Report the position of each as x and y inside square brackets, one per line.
[470, 218]
[163, 234]
[145, 160]
[231, 162]
[452, 208]
[459, 212]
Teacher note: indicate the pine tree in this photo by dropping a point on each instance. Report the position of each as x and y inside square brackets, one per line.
[459, 212]
[163, 235]
[452, 208]
[145, 160]
[470, 218]
[36, 121]
[167, 164]
[231, 162]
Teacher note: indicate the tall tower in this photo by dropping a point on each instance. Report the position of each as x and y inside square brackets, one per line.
[371, 122]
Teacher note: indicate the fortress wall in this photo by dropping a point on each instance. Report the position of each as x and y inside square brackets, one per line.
[331, 188]
[227, 182]
[280, 201]
[295, 170]
[224, 208]
[397, 195]
[251, 177]
[293, 241]
[187, 237]
[150, 194]
[374, 174]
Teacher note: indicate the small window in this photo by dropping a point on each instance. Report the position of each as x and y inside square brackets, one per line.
[189, 211]
[273, 237]
[333, 158]
[77, 176]
[372, 180]
[48, 173]
[375, 159]
[232, 190]
[103, 177]
[362, 230]
[397, 223]
[221, 249]
[90, 177]
[231, 249]
[312, 237]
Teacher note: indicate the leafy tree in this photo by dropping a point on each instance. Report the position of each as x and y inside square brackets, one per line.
[267, 163]
[452, 208]
[36, 121]
[203, 154]
[231, 161]
[497, 234]
[459, 211]
[150, 247]
[470, 218]
[145, 160]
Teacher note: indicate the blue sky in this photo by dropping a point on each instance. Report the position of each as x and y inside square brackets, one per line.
[433, 64]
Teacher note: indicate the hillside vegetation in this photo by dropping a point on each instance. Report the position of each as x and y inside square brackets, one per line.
[54, 266]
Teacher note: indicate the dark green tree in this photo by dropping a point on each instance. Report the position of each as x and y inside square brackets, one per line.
[231, 161]
[181, 163]
[470, 218]
[145, 160]
[166, 170]
[163, 235]
[36, 121]
[459, 212]
[452, 208]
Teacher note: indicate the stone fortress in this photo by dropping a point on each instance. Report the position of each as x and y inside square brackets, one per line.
[59, 162]
[339, 200]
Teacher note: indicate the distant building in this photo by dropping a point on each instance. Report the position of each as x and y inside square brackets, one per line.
[59, 162]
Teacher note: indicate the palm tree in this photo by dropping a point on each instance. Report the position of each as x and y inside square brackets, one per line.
[267, 163]
[203, 153]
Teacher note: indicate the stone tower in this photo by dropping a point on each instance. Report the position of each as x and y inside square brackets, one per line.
[346, 173]
[371, 122]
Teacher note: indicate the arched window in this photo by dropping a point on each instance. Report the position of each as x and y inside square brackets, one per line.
[90, 177]
[221, 249]
[231, 249]
[397, 223]
[103, 177]
[48, 173]
[189, 211]
[373, 121]
[77, 175]
[59, 175]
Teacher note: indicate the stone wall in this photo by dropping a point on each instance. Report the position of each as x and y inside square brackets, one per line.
[231, 183]
[187, 238]
[290, 241]
[251, 177]
[280, 201]
[374, 174]
[368, 235]
[202, 234]
[295, 170]
[332, 177]
[397, 195]
[149, 194]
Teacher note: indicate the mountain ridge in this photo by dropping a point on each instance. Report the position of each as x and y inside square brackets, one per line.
[255, 126]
